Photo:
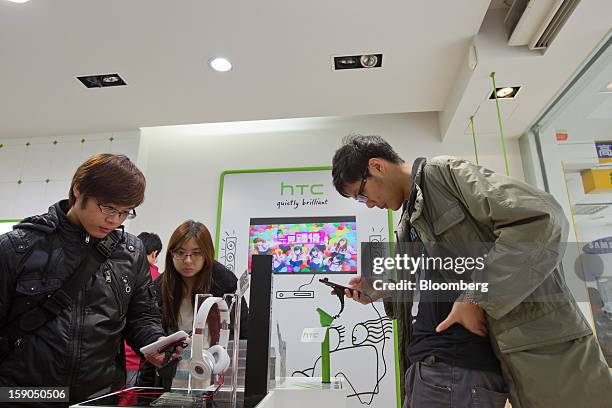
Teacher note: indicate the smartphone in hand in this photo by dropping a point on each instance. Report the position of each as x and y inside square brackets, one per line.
[337, 287]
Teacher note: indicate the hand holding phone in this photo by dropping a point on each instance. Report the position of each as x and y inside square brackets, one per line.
[358, 289]
[158, 347]
[336, 287]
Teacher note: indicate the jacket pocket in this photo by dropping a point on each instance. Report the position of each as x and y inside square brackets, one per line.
[565, 374]
[561, 324]
[552, 360]
[448, 219]
[33, 287]
[31, 292]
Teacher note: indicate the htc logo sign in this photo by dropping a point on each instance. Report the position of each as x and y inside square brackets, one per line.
[301, 189]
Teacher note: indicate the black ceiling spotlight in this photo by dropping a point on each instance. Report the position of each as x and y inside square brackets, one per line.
[505, 92]
[358, 61]
[101, 81]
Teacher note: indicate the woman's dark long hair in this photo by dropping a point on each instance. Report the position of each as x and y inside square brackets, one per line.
[344, 246]
[173, 286]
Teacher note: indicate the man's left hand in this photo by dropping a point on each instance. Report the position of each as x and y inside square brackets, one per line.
[469, 315]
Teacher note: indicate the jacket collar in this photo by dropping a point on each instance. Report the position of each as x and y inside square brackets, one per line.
[56, 219]
[414, 206]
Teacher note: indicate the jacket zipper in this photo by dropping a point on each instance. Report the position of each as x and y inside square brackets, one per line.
[77, 330]
[77, 349]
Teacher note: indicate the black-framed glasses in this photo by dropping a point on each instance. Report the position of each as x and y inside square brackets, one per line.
[362, 198]
[181, 255]
[112, 211]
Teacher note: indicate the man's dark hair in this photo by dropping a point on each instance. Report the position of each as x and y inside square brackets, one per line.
[151, 242]
[351, 160]
[110, 178]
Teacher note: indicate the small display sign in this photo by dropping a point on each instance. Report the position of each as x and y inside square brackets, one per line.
[604, 150]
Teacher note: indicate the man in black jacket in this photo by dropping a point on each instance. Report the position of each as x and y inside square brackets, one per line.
[77, 341]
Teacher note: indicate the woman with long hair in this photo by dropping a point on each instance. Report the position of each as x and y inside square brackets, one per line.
[190, 269]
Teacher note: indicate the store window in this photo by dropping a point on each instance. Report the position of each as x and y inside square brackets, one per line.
[574, 138]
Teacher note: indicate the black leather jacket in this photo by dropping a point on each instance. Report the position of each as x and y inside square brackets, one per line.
[79, 347]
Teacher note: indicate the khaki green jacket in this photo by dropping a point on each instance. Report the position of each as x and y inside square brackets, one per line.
[548, 354]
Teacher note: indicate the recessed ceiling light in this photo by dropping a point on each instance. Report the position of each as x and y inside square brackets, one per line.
[506, 92]
[220, 64]
[368, 61]
[357, 61]
[111, 79]
[18, 1]
[101, 81]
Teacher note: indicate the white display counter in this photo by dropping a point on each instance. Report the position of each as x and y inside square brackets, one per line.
[306, 392]
[294, 392]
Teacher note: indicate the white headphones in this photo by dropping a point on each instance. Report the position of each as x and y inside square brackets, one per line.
[215, 360]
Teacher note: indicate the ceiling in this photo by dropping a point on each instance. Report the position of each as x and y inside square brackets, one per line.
[542, 76]
[281, 53]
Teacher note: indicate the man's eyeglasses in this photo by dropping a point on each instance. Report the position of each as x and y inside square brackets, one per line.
[112, 211]
[364, 177]
[181, 255]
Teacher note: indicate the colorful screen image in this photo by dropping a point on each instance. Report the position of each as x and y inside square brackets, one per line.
[306, 244]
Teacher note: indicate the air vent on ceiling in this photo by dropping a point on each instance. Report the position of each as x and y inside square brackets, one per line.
[536, 23]
[101, 81]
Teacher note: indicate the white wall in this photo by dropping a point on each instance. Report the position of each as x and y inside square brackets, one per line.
[183, 163]
[35, 173]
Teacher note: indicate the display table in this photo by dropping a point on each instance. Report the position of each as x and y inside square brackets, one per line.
[294, 392]
[306, 392]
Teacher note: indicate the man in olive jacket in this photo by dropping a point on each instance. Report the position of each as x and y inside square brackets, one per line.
[546, 348]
